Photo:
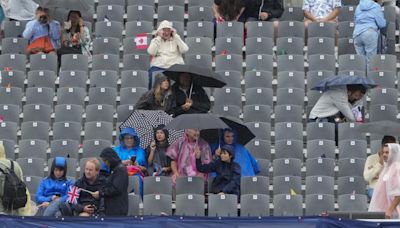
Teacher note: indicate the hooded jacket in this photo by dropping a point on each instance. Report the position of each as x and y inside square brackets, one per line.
[201, 102]
[5, 163]
[227, 179]
[124, 153]
[248, 164]
[368, 15]
[167, 52]
[115, 189]
[51, 186]
[148, 101]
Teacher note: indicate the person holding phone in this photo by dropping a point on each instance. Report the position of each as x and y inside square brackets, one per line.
[159, 163]
[53, 190]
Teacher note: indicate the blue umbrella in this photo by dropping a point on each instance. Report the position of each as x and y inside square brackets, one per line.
[342, 80]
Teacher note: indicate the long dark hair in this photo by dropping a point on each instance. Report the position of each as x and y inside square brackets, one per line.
[230, 9]
[77, 29]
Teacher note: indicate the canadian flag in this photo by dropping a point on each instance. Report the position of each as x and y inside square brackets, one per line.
[141, 41]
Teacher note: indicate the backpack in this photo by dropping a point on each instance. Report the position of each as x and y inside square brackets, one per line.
[14, 189]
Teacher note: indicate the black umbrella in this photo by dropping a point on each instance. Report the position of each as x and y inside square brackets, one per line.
[243, 133]
[198, 121]
[201, 76]
[384, 127]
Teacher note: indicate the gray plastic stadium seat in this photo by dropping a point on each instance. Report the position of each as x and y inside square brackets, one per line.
[259, 96]
[44, 62]
[383, 62]
[288, 205]
[171, 13]
[74, 62]
[14, 28]
[288, 113]
[325, 131]
[232, 78]
[157, 204]
[109, 29]
[255, 79]
[347, 13]
[133, 201]
[14, 78]
[134, 79]
[346, 46]
[260, 29]
[321, 62]
[353, 149]
[111, 2]
[254, 205]
[230, 29]
[259, 45]
[289, 131]
[200, 3]
[264, 165]
[32, 183]
[42, 78]
[103, 78]
[123, 112]
[32, 149]
[199, 60]
[320, 167]
[93, 148]
[315, 76]
[200, 13]
[350, 202]
[257, 113]
[105, 62]
[292, 14]
[68, 113]
[171, 2]
[10, 113]
[189, 205]
[317, 204]
[351, 185]
[13, 45]
[73, 79]
[383, 96]
[39, 95]
[257, 62]
[199, 45]
[189, 185]
[33, 166]
[102, 95]
[71, 95]
[385, 79]
[222, 205]
[134, 28]
[140, 13]
[67, 130]
[260, 149]
[136, 62]
[200, 29]
[322, 29]
[8, 131]
[289, 149]
[9, 148]
[226, 110]
[157, 185]
[348, 131]
[99, 113]
[260, 130]
[37, 112]
[351, 167]
[230, 45]
[291, 29]
[13, 62]
[287, 167]
[98, 130]
[140, 2]
[319, 185]
[290, 63]
[383, 112]
[131, 95]
[228, 62]
[110, 12]
[351, 62]
[106, 45]
[318, 148]
[228, 96]
[64, 148]
[284, 184]
[35, 130]
[290, 45]
[254, 185]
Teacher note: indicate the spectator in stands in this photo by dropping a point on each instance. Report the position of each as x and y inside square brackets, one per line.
[181, 152]
[374, 165]
[115, 189]
[131, 154]
[53, 190]
[158, 98]
[229, 10]
[264, 10]
[369, 19]
[386, 197]
[335, 105]
[87, 205]
[43, 33]
[227, 180]
[6, 163]
[242, 156]
[166, 49]
[159, 164]
[189, 98]
[75, 38]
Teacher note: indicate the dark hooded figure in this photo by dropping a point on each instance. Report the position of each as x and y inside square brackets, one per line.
[115, 189]
[159, 164]
[160, 97]
[227, 179]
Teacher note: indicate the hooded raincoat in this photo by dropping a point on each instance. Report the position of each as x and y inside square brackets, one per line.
[124, 153]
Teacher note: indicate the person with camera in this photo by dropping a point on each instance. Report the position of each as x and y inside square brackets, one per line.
[166, 49]
[91, 181]
[43, 33]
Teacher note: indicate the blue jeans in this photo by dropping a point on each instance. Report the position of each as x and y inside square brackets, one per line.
[53, 209]
[366, 43]
[370, 191]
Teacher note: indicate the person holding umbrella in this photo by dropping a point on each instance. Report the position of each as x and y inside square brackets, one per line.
[159, 164]
[189, 97]
[248, 164]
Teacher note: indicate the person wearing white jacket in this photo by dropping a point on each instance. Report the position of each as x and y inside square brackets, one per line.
[166, 49]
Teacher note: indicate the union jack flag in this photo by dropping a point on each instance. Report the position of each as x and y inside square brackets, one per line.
[73, 195]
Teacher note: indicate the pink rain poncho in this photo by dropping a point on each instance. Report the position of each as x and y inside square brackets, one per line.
[182, 152]
[388, 186]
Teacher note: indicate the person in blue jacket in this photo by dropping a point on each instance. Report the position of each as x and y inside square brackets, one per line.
[243, 157]
[227, 179]
[53, 190]
[130, 152]
[368, 20]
